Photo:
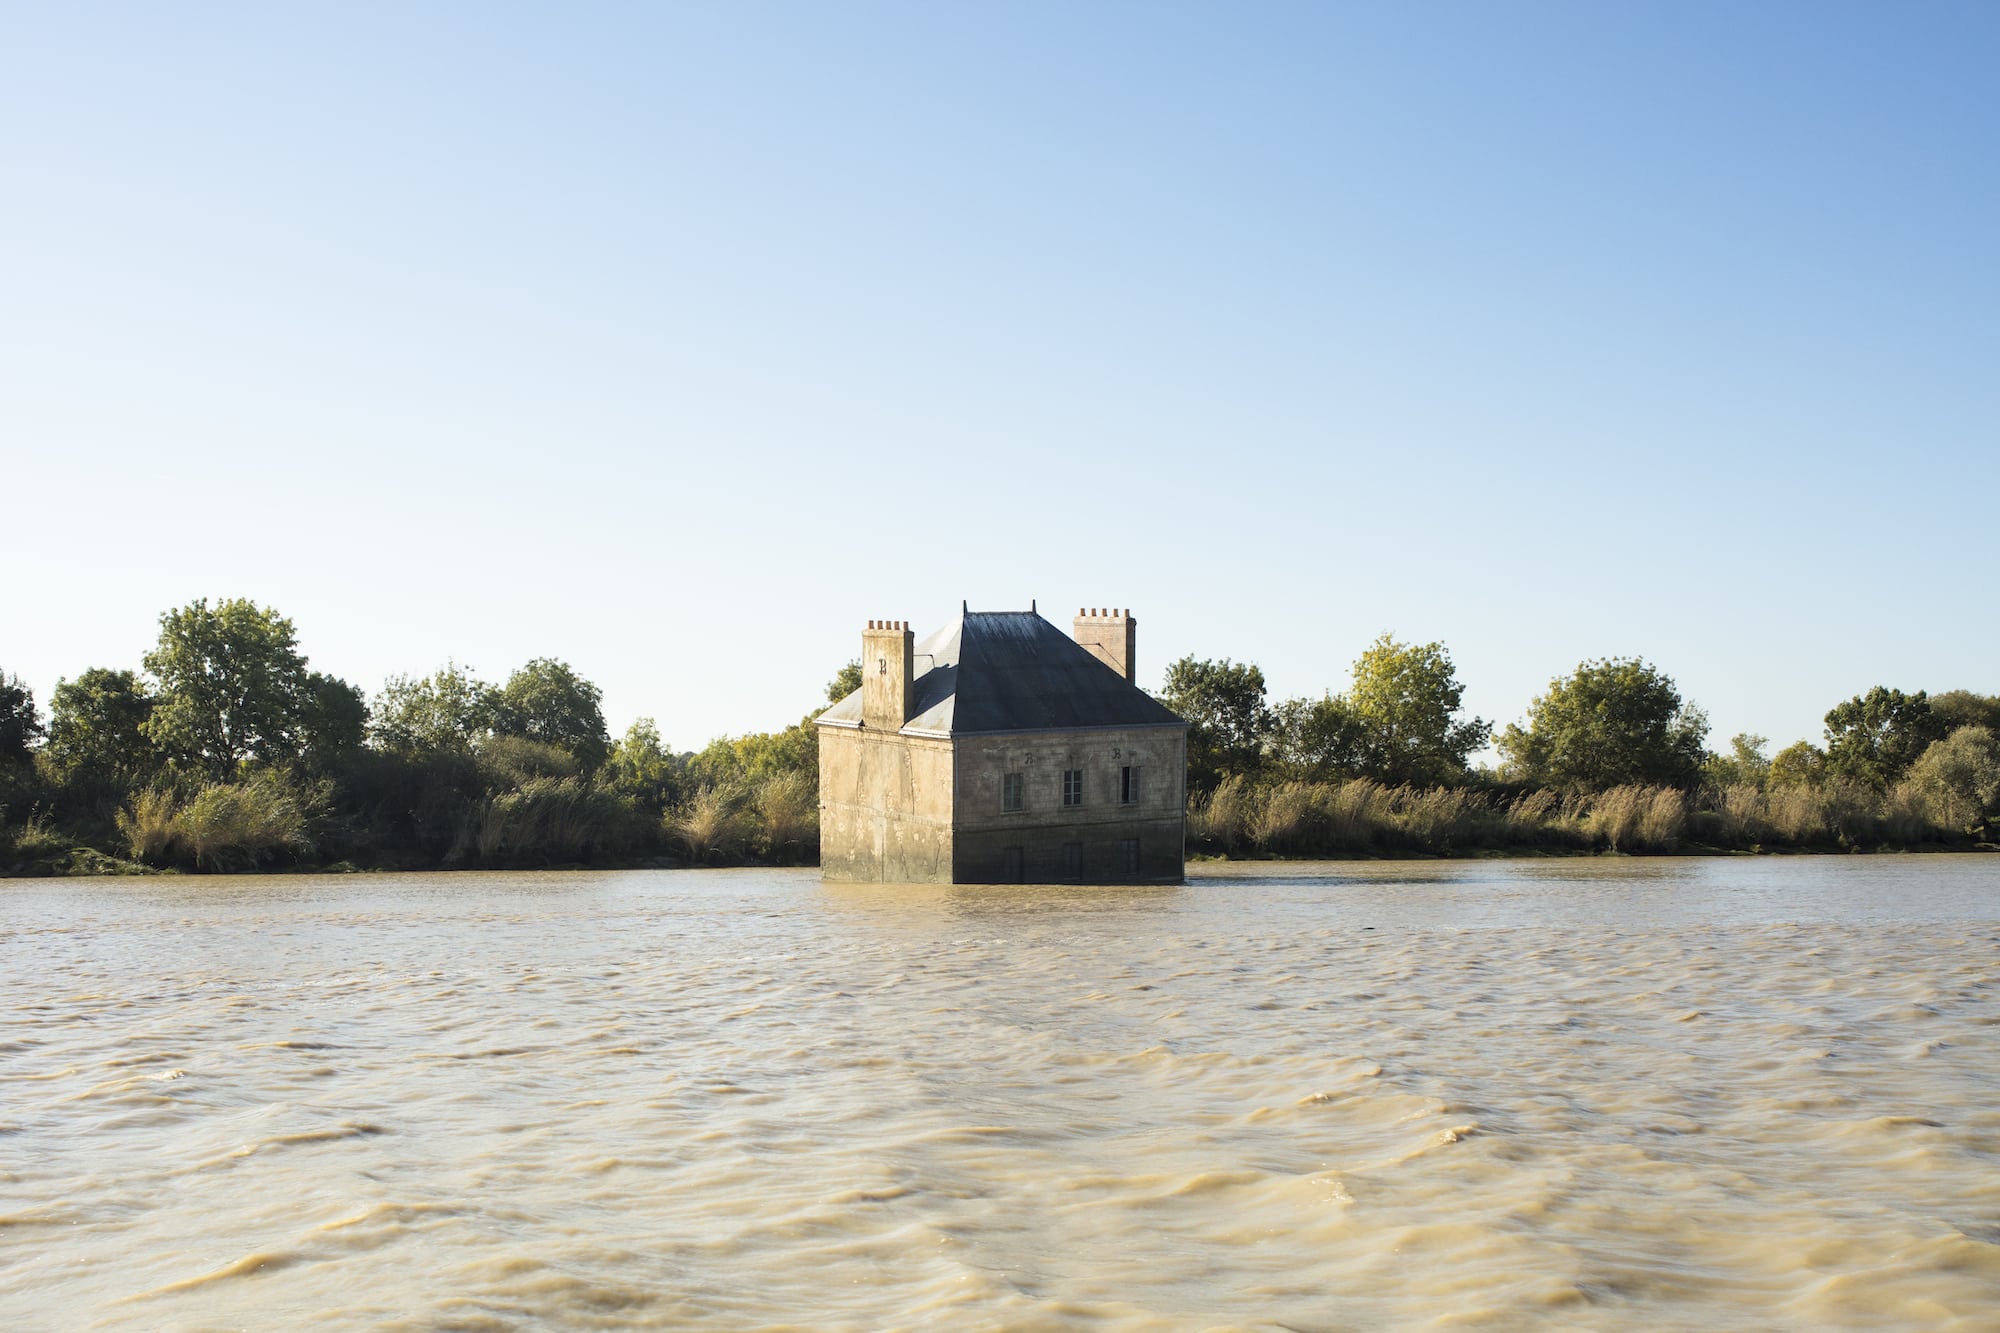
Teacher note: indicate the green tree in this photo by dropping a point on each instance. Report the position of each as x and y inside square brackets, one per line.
[446, 711]
[547, 701]
[1407, 699]
[333, 723]
[845, 682]
[1317, 740]
[756, 758]
[1615, 721]
[1959, 779]
[1744, 765]
[20, 721]
[20, 727]
[1963, 708]
[97, 732]
[1876, 736]
[1228, 722]
[1800, 764]
[232, 686]
[643, 768]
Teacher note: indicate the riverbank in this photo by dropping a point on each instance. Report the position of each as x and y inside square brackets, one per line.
[85, 862]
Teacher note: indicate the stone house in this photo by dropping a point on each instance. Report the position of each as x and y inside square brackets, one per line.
[1001, 750]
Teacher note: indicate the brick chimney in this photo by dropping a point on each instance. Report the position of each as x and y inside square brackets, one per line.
[1110, 635]
[886, 660]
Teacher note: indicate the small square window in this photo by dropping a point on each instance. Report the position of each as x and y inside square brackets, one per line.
[1072, 786]
[1013, 792]
[1128, 785]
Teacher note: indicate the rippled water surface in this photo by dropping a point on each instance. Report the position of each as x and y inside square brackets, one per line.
[1703, 1094]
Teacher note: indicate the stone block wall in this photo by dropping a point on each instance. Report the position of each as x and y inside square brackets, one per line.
[1094, 841]
[885, 813]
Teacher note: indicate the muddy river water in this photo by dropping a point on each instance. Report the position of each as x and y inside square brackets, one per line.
[1727, 1093]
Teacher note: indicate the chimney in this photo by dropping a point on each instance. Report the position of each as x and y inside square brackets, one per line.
[1110, 635]
[886, 660]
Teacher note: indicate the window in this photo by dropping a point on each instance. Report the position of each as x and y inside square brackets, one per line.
[1128, 785]
[1013, 866]
[1072, 786]
[1128, 849]
[1072, 860]
[1012, 792]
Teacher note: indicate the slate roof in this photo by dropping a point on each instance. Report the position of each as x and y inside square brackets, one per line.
[1013, 671]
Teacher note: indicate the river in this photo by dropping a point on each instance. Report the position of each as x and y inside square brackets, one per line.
[1593, 1094]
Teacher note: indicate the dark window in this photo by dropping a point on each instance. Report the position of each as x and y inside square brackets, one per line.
[1072, 860]
[1013, 869]
[1128, 785]
[1012, 791]
[1072, 786]
[1128, 848]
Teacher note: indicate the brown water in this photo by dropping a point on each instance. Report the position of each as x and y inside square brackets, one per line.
[1584, 1094]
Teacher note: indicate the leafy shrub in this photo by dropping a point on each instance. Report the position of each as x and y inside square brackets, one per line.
[515, 761]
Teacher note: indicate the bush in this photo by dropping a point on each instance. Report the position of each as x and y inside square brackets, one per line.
[515, 761]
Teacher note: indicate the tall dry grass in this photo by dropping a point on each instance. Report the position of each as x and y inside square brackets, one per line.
[35, 839]
[148, 826]
[1363, 817]
[1221, 819]
[225, 826]
[710, 825]
[1638, 819]
[786, 810]
[547, 820]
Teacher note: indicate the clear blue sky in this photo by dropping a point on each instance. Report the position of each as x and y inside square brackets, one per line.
[677, 342]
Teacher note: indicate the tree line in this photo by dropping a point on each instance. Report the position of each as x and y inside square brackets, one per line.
[1609, 757]
[224, 750]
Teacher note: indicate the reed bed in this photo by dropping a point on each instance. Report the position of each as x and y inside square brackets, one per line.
[786, 809]
[1362, 817]
[710, 826]
[261, 821]
[550, 820]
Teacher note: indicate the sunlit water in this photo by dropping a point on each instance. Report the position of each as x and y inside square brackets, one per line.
[1674, 1094]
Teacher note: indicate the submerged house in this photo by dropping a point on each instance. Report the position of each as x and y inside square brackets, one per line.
[1001, 750]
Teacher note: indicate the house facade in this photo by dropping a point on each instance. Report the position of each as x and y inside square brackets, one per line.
[1001, 750]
